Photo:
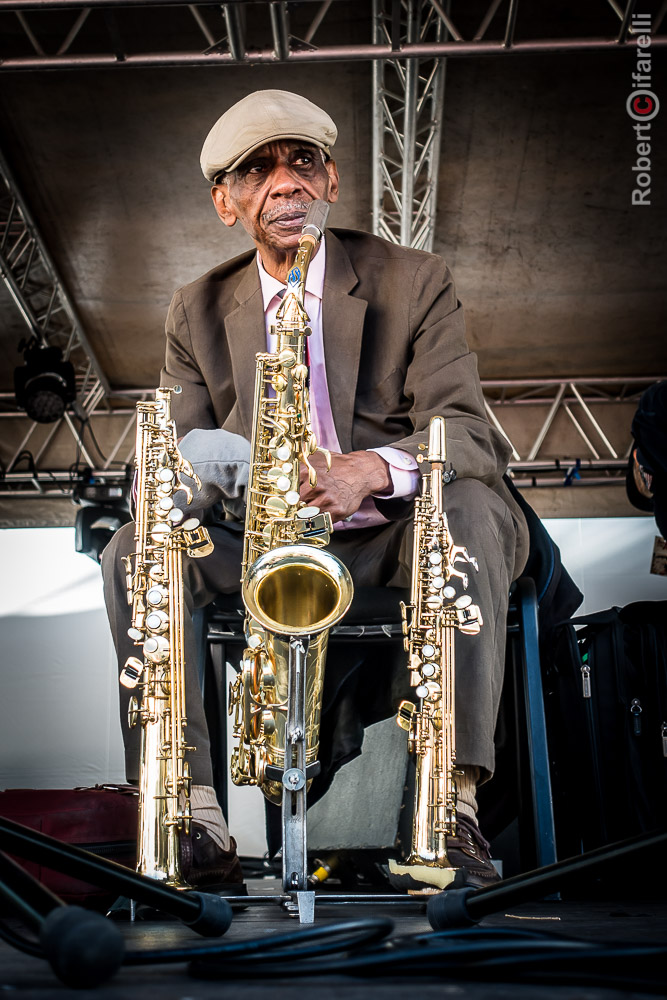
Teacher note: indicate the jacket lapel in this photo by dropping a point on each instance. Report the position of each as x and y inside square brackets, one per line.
[342, 329]
[246, 337]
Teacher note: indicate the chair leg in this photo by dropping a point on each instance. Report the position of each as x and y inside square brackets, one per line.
[540, 779]
[213, 679]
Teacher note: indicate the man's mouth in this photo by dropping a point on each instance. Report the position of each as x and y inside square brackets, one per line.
[287, 218]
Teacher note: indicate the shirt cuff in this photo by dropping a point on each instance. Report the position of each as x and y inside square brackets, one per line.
[404, 473]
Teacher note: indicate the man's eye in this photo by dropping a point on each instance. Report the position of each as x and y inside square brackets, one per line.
[303, 160]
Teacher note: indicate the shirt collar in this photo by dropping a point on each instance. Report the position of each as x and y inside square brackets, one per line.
[314, 279]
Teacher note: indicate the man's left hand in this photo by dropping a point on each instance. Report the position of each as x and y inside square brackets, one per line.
[351, 479]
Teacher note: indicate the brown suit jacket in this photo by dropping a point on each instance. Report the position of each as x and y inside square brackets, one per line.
[395, 351]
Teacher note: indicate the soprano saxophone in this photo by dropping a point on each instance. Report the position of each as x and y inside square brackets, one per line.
[155, 591]
[291, 587]
[435, 614]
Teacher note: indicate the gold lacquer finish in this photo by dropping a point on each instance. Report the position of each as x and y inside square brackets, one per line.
[429, 622]
[155, 591]
[290, 586]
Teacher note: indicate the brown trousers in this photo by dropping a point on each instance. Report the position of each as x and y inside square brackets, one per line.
[478, 519]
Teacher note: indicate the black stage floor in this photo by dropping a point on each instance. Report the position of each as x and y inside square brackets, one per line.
[634, 922]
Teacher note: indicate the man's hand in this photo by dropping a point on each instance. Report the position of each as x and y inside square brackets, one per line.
[350, 480]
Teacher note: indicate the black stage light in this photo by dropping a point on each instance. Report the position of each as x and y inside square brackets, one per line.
[94, 527]
[45, 384]
[104, 508]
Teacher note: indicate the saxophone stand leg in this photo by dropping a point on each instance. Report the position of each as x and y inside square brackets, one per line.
[207, 914]
[295, 868]
[82, 947]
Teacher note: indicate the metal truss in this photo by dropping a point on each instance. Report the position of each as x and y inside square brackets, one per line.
[604, 453]
[34, 284]
[408, 97]
[99, 33]
[600, 457]
[410, 41]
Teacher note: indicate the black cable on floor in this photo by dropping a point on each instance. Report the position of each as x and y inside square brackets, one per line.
[334, 938]
[479, 954]
[19, 942]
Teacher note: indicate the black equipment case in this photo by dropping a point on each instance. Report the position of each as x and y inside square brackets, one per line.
[605, 678]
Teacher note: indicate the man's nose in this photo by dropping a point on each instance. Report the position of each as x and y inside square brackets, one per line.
[284, 180]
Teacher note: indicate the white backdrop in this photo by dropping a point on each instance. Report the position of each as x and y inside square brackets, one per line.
[59, 707]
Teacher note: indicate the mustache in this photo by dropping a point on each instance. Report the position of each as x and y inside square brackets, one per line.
[286, 209]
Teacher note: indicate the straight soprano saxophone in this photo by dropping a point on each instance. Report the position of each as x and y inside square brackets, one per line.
[291, 587]
[435, 613]
[155, 591]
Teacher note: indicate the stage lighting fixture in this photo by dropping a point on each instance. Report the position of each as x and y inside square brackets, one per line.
[45, 384]
[94, 527]
[104, 508]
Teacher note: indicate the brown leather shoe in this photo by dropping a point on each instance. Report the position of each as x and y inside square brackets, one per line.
[207, 867]
[469, 850]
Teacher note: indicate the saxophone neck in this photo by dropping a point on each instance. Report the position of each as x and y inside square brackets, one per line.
[292, 314]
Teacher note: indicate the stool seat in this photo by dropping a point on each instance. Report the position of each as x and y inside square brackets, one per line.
[370, 606]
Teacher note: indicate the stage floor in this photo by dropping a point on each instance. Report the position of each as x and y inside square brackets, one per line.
[601, 921]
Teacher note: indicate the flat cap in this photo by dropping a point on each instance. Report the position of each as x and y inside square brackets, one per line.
[261, 117]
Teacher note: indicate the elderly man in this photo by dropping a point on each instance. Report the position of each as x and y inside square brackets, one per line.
[387, 352]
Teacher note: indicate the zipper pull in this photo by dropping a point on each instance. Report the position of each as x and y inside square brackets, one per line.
[636, 710]
[585, 676]
[664, 739]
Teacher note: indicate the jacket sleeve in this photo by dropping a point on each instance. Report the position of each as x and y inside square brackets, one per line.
[193, 407]
[442, 380]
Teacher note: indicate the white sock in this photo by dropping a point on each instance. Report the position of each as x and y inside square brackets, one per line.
[207, 813]
[466, 787]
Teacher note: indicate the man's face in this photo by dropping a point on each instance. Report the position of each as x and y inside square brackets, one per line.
[269, 193]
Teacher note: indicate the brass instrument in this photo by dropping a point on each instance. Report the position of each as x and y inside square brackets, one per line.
[291, 587]
[435, 613]
[155, 591]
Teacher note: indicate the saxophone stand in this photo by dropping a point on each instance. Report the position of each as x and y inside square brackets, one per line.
[205, 913]
[294, 779]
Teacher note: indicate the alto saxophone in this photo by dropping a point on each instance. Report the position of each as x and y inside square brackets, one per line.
[291, 587]
[155, 591]
[435, 614]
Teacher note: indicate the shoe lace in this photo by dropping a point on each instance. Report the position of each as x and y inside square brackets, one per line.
[473, 830]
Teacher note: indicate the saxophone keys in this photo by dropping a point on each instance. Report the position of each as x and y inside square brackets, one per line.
[156, 621]
[275, 506]
[159, 532]
[287, 358]
[406, 710]
[131, 673]
[133, 712]
[156, 649]
[429, 691]
[158, 597]
[190, 524]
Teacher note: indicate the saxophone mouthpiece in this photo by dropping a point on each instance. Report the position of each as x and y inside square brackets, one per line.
[316, 219]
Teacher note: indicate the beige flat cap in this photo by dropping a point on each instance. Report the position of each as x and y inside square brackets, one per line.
[261, 117]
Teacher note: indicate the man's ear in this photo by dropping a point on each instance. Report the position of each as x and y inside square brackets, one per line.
[332, 171]
[223, 204]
